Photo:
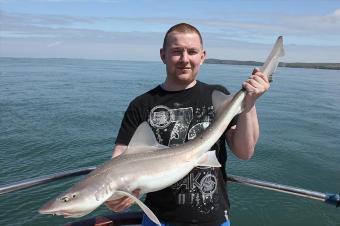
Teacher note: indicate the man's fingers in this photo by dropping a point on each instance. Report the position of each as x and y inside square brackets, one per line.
[136, 193]
[257, 82]
[119, 204]
[259, 77]
[123, 203]
[117, 201]
[255, 70]
[119, 207]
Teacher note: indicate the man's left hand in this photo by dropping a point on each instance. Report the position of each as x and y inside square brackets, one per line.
[256, 85]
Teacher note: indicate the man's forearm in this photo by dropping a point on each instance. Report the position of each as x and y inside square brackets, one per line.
[243, 138]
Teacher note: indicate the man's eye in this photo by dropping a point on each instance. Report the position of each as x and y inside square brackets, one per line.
[193, 51]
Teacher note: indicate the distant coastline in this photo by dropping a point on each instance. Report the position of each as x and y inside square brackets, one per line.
[331, 66]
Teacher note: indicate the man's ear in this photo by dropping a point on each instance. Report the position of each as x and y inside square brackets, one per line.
[162, 54]
[204, 54]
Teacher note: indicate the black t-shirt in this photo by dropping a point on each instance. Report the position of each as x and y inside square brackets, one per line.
[200, 198]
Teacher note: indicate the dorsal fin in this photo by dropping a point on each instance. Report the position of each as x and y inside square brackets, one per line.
[220, 99]
[144, 138]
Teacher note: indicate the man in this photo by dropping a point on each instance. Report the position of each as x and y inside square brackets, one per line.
[178, 110]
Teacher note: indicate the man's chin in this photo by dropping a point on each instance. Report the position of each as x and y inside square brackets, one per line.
[186, 81]
[188, 76]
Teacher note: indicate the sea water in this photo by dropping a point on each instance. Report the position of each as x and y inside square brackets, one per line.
[62, 114]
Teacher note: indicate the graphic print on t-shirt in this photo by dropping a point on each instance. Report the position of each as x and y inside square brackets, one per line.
[162, 119]
[175, 126]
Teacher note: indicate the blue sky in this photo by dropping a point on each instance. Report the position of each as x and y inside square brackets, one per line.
[134, 29]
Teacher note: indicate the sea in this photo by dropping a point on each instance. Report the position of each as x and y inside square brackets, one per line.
[63, 114]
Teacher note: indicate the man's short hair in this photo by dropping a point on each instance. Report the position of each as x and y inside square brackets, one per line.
[182, 28]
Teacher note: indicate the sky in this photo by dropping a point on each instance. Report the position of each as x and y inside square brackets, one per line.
[134, 29]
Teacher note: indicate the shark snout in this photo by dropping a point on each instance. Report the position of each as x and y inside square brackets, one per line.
[47, 208]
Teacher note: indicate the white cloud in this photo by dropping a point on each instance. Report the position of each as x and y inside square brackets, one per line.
[327, 24]
[336, 14]
[225, 38]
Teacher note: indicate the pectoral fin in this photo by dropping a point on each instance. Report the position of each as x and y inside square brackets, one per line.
[219, 100]
[209, 159]
[146, 209]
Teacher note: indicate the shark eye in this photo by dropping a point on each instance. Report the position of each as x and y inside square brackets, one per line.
[65, 199]
[74, 195]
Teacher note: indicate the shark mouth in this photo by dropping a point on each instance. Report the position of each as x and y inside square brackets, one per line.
[63, 213]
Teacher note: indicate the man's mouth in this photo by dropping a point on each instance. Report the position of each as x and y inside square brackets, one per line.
[184, 68]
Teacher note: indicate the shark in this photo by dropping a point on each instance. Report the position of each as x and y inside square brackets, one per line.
[150, 166]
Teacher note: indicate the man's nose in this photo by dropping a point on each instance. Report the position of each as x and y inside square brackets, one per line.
[184, 56]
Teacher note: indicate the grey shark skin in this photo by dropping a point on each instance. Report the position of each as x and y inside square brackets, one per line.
[144, 166]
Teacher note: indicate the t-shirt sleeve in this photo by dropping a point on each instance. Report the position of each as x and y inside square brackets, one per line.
[130, 122]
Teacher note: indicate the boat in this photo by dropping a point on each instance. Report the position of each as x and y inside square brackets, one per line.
[135, 218]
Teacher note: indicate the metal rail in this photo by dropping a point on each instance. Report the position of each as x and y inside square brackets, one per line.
[43, 180]
[330, 198]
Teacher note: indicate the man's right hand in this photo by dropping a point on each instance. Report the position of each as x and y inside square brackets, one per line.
[119, 205]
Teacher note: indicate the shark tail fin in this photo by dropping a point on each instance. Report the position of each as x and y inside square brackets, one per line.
[272, 60]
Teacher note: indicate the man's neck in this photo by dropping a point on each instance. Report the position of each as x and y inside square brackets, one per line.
[168, 86]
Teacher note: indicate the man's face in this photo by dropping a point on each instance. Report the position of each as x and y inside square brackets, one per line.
[183, 56]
